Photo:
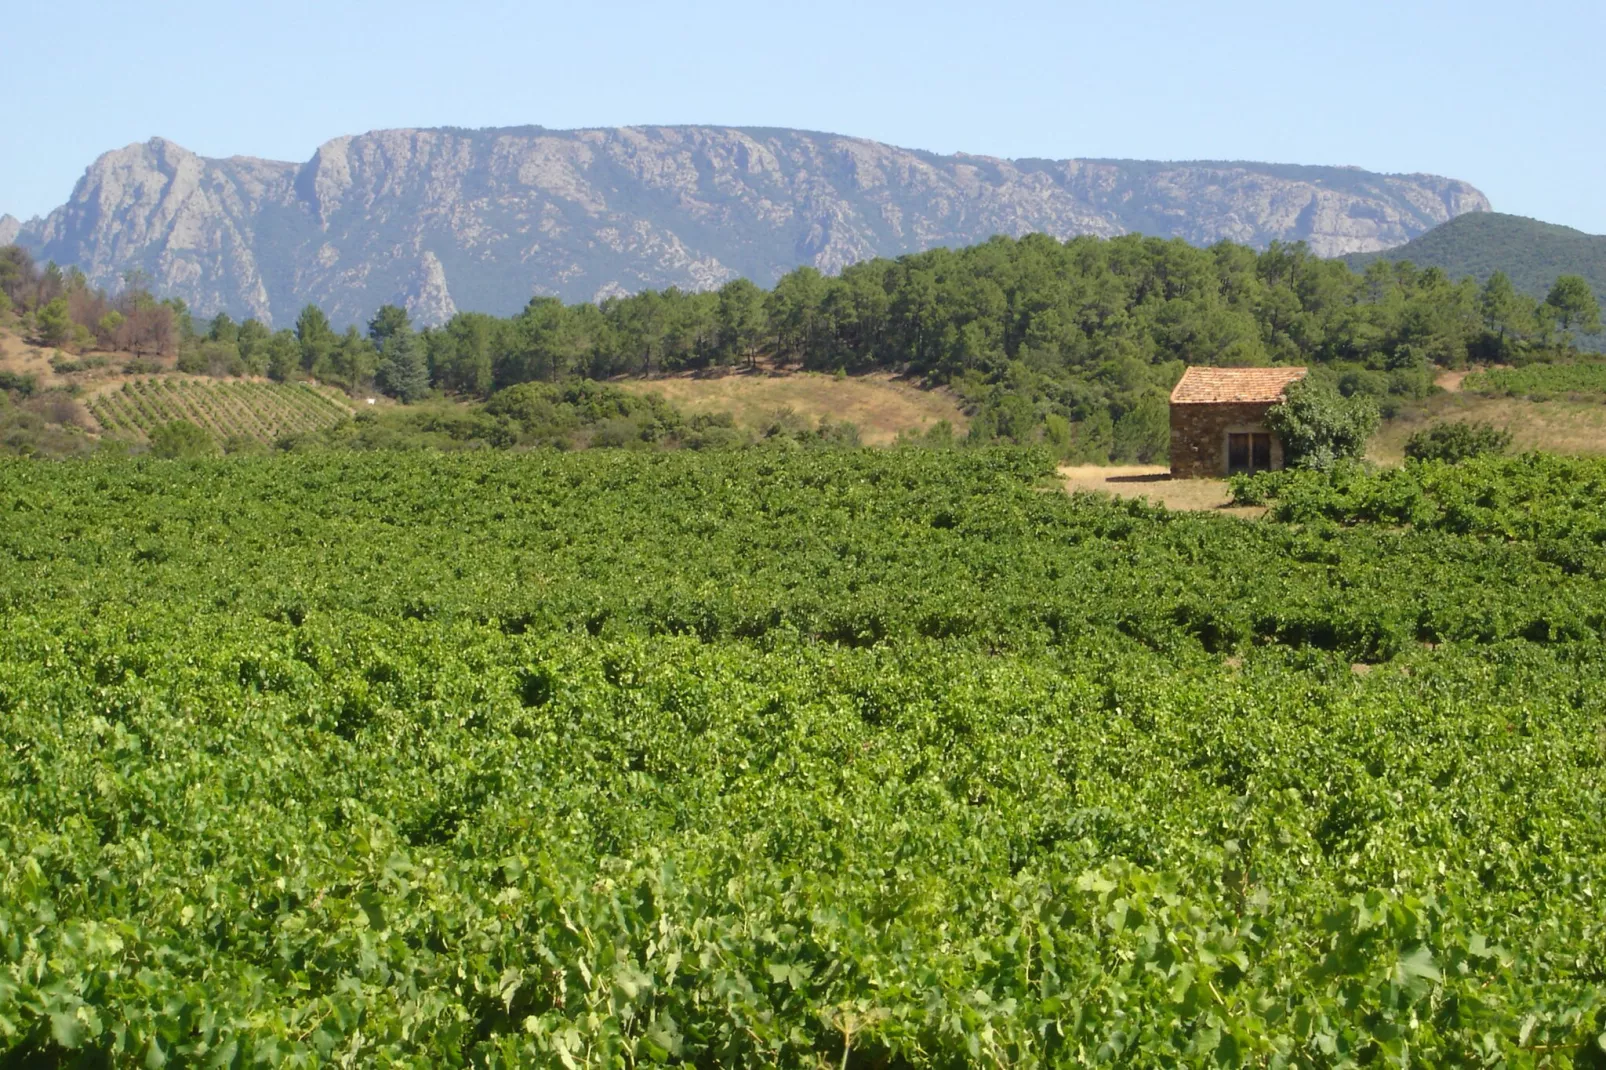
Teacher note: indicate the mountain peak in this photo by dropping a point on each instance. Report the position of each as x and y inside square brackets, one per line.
[486, 219]
[10, 227]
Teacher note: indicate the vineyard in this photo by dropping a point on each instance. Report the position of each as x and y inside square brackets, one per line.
[261, 411]
[1555, 503]
[874, 759]
[1541, 382]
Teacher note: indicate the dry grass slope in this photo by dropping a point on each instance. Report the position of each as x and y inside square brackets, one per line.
[24, 359]
[1560, 426]
[880, 405]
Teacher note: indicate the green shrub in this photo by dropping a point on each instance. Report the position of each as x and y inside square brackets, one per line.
[1457, 441]
[1256, 489]
[1320, 427]
[243, 444]
[62, 364]
[180, 438]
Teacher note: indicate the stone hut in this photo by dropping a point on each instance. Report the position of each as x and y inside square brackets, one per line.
[1218, 420]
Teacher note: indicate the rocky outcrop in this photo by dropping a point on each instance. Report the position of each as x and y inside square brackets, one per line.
[429, 300]
[10, 226]
[197, 227]
[442, 219]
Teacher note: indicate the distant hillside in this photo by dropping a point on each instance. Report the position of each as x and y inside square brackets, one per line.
[448, 219]
[1531, 253]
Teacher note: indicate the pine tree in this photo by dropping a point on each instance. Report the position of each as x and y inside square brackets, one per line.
[55, 324]
[1508, 316]
[403, 372]
[388, 321]
[316, 337]
[1573, 305]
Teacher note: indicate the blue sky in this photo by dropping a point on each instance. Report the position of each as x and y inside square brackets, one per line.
[1510, 97]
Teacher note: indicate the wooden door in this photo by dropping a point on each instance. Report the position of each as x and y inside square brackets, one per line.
[1248, 451]
[1237, 453]
[1259, 452]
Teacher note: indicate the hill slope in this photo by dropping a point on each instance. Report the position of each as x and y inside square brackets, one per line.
[227, 409]
[1531, 253]
[447, 219]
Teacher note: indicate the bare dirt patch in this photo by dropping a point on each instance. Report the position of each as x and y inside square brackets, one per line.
[1450, 381]
[24, 359]
[1155, 483]
[881, 405]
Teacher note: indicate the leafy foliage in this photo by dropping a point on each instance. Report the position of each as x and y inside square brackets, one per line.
[1321, 427]
[1541, 382]
[1073, 345]
[180, 438]
[1456, 440]
[763, 758]
[39, 424]
[1552, 502]
[1573, 304]
[61, 309]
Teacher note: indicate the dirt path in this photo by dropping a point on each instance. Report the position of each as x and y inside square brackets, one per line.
[1155, 483]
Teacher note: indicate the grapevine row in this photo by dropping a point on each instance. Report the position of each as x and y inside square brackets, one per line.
[262, 411]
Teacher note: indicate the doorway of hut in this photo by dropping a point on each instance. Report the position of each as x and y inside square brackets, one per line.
[1248, 452]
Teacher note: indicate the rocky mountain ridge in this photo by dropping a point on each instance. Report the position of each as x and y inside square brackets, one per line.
[484, 219]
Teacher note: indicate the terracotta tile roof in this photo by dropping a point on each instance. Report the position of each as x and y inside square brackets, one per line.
[1201, 386]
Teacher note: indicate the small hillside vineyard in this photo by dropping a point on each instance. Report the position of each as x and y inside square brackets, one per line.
[1248, 452]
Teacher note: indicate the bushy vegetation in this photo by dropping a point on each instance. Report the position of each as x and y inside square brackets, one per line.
[60, 309]
[1320, 427]
[1541, 381]
[40, 424]
[577, 414]
[1456, 440]
[1551, 502]
[754, 758]
[180, 438]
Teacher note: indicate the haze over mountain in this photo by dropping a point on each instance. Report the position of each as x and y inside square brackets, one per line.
[449, 219]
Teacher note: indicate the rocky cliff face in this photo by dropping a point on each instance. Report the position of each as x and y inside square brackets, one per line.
[10, 227]
[446, 219]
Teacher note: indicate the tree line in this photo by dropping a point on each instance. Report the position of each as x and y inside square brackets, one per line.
[59, 308]
[1075, 343]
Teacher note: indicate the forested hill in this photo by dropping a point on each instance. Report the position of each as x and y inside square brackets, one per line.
[1531, 254]
[449, 219]
[1074, 343]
